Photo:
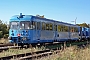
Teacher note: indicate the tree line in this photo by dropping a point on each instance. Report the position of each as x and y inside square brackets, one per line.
[84, 25]
[4, 30]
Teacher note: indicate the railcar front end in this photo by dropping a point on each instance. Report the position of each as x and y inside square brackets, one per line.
[21, 28]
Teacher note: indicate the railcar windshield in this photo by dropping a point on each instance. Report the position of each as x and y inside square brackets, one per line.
[14, 25]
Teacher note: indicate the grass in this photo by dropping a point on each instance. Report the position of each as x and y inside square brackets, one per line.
[19, 51]
[70, 53]
[2, 40]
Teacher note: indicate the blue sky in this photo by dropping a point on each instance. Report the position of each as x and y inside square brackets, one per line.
[61, 10]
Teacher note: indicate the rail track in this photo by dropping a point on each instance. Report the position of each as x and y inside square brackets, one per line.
[4, 47]
[8, 44]
[33, 55]
[8, 47]
[29, 55]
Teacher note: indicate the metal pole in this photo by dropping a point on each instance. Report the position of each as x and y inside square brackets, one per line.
[75, 20]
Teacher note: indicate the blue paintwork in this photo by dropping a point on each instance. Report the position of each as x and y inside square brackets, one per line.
[25, 18]
[89, 32]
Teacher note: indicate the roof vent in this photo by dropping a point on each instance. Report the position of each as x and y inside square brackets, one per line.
[21, 16]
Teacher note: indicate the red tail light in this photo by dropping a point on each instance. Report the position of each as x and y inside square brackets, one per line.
[18, 34]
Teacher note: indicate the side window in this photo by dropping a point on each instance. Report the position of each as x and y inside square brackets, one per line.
[55, 27]
[72, 29]
[38, 25]
[33, 25]
[76, 29]
[62, 28]
[66, 28]
[43, 26]
[59, 28]
[47, 26]
[27, 25]
[51, 26]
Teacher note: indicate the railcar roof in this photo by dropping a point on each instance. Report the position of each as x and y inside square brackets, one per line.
[25, 17]
[55, 21]
[28, 17]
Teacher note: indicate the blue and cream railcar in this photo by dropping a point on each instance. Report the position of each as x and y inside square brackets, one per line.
[28, 29]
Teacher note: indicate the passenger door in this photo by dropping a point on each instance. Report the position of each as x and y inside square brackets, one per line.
[55, 30]
[80, 33]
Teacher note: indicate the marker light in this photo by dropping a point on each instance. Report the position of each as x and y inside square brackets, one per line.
[18, 34]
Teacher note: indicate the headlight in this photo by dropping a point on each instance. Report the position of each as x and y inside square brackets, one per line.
[9, 38]
[10, 41]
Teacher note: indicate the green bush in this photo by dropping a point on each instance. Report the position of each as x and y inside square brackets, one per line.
[6, 35]
[1, 34]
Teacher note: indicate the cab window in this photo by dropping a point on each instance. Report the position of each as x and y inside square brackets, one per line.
[14, 25]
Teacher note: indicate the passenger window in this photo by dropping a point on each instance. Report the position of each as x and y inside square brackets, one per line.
[51, 26]
[72, 29]
[66, 29]
[55, 27]
[76, 29]
[59, 28]
[62, 28]
[47, 26]
[43, 26]
[38, 25]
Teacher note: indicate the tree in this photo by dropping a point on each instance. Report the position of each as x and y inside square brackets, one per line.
[40, 16]
[83, 25]
[1, 34]
[0, 21]
[4, 31]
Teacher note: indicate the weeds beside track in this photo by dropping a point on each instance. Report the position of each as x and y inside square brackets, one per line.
[37, 54]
